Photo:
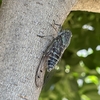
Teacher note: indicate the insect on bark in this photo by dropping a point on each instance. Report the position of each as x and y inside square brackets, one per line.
[52, 55]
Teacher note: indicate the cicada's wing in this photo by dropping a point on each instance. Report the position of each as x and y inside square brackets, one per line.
[48, 77]
[39, 77]
[41, 70]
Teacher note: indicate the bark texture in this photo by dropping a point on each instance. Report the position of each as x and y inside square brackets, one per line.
[20, 48]
[88, 5]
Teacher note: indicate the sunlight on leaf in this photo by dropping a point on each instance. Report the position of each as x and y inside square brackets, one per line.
[64, 98]
[84, 52]
[91, 79]
[75, 74]
[98, 70]
[67, 68]
[83, 74]
[88, 27]
[84, 97]
[81, 64]
[57, 67]
[99, 89]
[80, 82]
[98, 48]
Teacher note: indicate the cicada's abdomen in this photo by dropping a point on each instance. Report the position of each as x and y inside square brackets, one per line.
[57, 48]
[53, 59]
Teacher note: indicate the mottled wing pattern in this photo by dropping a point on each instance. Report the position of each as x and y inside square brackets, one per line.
[39, 77]
[42, 67]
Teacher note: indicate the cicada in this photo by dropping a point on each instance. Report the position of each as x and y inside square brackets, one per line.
[52, 55]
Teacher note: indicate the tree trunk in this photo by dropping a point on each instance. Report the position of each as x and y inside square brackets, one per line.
[20, 48]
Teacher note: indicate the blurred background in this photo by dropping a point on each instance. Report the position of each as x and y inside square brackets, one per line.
[77, 75]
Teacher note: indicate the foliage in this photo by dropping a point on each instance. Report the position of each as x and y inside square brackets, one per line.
[78, 73]
[0, 2]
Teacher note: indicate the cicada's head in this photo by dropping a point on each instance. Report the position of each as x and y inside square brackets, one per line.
[66, 37]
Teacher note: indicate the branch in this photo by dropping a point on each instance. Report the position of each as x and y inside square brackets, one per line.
[88, 5]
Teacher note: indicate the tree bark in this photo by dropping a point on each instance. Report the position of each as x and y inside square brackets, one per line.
[88, 5]
[20, 48]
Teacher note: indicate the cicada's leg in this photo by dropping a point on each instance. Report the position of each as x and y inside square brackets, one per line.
[45, 37]
[59, 26]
